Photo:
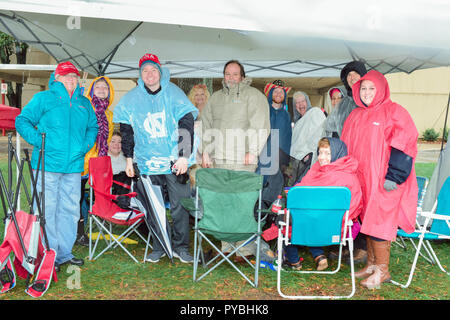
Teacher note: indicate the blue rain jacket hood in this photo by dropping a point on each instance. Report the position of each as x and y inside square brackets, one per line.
[69, 123]
[154, 119]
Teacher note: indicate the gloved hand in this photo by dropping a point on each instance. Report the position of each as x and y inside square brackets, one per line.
[389, 185]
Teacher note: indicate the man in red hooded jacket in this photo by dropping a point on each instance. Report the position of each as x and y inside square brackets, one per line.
[382, 136]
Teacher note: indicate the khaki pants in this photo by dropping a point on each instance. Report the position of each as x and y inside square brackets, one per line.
[248, 250]
[236, 166]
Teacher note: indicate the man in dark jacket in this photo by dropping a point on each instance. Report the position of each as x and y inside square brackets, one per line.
[275, 156]
[351, 73]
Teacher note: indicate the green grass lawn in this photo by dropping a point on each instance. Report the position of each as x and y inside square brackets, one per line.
[425, 169]
[115, 276]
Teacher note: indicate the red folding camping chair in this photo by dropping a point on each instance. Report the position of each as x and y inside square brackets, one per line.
[106, 214]
[25, 235]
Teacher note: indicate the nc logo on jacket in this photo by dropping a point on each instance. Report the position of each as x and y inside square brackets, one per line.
[154, 124]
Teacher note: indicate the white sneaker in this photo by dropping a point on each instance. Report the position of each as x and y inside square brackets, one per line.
[184, 257]
[155, 256]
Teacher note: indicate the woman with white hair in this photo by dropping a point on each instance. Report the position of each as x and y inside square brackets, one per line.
[308, 122]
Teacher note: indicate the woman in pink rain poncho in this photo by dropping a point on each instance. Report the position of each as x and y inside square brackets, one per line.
[382, 136]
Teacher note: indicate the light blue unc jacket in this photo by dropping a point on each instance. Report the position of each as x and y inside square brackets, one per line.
[154, 119]
[69, 123]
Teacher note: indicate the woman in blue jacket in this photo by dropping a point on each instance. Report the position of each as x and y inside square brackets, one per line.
[70, 125]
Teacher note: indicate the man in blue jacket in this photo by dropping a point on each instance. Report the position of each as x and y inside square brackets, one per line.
[272, 163]
[70, 126]
[157, 125]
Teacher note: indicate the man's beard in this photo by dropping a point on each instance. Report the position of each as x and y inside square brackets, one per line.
[278, 101]
[231, 84]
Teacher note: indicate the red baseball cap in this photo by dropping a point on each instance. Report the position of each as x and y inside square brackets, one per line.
[148, 57]
[65, 68]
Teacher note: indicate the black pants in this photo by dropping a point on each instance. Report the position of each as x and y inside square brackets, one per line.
[360, 242]
[180, 217]
[80, 230]
[125, 180]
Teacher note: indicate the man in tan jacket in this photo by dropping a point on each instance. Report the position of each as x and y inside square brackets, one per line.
[235, 128]
[235, 123]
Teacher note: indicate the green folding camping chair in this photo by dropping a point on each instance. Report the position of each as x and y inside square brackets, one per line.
[228, 201]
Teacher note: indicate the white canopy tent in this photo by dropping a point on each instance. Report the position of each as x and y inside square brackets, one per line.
[282, 39]
[194, 39]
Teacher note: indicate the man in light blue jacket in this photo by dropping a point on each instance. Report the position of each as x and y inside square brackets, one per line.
[70, 126]
[157, 125]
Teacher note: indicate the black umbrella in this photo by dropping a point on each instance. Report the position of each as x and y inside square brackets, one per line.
[149, 200]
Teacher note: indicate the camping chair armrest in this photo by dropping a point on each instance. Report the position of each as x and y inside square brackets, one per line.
[284, 236]
[126, 186]
[347, 229]
[112, 196]
[194, 211]
[268, 211]
[431, 215]
[285, 224]
[281, 224]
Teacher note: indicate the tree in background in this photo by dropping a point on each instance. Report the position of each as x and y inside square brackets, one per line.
[9, 46]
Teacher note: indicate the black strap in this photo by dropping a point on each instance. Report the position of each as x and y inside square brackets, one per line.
[39, 285]
[6, 275]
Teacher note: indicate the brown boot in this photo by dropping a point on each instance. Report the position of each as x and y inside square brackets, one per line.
[369, 268]
[381, 250]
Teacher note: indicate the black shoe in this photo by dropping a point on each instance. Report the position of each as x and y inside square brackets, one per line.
[74, 261]
[82, 240]
[57, 267]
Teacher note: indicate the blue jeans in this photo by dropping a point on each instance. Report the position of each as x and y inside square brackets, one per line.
[292, 252]
[62, 211]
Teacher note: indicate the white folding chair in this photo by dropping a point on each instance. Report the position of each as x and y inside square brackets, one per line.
[440, 229]
[422, 183]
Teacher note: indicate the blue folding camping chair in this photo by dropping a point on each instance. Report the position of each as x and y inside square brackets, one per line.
[422, 184]
[319, 217]
[439, 230]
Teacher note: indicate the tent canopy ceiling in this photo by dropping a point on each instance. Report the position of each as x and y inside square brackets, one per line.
[194, 39]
